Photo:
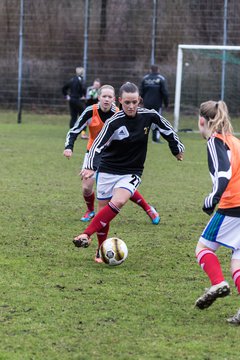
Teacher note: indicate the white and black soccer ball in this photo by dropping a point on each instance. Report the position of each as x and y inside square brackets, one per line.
[114, 251]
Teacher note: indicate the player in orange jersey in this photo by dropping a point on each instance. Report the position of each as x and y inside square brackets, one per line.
[224, 226]
[94, 117]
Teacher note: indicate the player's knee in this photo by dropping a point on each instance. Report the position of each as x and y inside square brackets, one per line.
[200, 246]
[87, 187]
[235, 265]
[119, 203]
[87, 191]
[120, 197]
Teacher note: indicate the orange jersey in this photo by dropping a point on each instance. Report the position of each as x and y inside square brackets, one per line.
[95, 126]
[231, 196]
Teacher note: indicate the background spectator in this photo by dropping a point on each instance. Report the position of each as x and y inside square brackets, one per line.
[92, 92]
[154, 92]
[74, 92]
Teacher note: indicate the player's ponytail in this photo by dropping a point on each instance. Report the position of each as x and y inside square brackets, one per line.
[216, 113]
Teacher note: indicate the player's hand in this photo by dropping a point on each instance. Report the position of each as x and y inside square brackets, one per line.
[67, 153]
[179, 156]
[208, 211]
[86, 174]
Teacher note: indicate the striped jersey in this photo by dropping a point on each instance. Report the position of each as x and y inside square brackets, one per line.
[93, 117]
[224, 168]
[121, 146]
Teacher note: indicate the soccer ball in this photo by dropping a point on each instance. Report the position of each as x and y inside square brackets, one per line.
[114, 251]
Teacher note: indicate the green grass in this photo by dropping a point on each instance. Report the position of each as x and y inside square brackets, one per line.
[56, 303]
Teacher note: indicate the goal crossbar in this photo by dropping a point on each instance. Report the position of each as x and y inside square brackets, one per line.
[182, 47]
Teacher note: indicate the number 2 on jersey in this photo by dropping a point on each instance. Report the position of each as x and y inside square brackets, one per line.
[135, 181]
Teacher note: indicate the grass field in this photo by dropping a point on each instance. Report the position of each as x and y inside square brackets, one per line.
[56, 303]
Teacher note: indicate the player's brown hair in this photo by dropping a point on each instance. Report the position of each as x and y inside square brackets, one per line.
[128, 87]
[216, 114]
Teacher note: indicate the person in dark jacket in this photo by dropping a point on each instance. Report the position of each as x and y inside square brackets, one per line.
[154, 93]
[74, 91]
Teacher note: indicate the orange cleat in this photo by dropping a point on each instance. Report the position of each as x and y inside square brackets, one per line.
[84, 136]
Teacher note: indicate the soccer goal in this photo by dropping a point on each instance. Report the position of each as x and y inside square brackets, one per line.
[206, 72]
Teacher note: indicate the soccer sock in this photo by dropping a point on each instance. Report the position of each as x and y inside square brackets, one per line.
[139, 200]
[89, 200]
[103, 218]
[102, 235]
[209, 262]
[236, 279]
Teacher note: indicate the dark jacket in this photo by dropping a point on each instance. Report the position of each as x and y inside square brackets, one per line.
[154, 91]
[74, 87]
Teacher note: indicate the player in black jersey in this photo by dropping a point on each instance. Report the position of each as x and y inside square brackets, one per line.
[121, 147]
[94, 118]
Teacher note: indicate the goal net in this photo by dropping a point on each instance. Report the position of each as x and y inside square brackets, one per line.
[205, 72]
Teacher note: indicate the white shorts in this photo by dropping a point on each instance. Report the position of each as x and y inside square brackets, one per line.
[106, 183]
[85, 160]
[222, 230]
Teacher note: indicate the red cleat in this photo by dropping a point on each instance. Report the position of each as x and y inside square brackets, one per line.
[154, 216]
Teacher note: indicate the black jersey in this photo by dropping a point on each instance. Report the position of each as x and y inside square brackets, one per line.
[154, 91]
[74, 87]
[85, 120]
[122, 142]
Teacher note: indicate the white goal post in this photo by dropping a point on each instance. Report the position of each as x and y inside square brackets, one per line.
[181, 48]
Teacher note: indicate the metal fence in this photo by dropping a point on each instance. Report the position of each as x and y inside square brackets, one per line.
[114, 40]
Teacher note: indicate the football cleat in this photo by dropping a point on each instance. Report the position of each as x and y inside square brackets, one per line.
[88, 216]
[220, 290]
[84, 136]
[97, 257]
[154, 215]
[235, 320]
[82, 240]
